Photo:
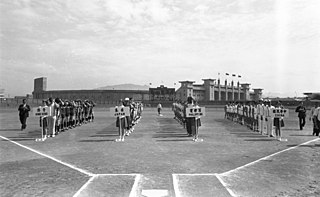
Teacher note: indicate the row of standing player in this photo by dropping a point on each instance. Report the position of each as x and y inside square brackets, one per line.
[314, 116]
[65, 115]
[126, 124]
[256, 116]
[190, 123]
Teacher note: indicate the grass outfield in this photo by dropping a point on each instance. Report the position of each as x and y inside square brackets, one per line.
[158, 155]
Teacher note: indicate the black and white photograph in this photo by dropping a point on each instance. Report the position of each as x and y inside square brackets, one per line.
[160, 98]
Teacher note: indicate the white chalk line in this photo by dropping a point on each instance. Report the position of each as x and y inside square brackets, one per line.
[134, 189]
[91, 175]
[133, 192]
[50, 157]
[84, 186]
[178, 192]
[175, 178]
[225, 174]
[175, 182]
[267, 157]
[225, 185]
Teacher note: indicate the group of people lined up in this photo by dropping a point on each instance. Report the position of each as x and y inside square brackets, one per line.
[126, 124]
[190, 123]
[65, 114]
[256, 116]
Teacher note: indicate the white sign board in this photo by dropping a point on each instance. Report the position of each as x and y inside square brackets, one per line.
[278, 113]
[41, 111]
[119, 111]
[195, 111]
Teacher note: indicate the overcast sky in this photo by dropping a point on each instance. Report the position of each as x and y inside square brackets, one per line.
[85, 44]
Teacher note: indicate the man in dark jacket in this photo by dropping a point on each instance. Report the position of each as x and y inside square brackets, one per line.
[23, 113]
[301, 110]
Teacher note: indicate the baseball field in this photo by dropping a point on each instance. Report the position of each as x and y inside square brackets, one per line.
[158, 159]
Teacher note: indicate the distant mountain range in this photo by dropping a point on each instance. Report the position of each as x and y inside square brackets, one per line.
[280, 95]
[126, 86]
[275, 94]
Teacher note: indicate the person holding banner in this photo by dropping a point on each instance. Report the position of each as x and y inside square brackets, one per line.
[278, 123]
[121, 123]
[23, 109]
[193, 122]
[129, 128]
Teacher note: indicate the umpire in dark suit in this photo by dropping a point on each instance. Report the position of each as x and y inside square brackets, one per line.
[23, 113]
[301, 110]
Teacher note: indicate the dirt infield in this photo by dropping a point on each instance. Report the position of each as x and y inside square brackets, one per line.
[158, 155]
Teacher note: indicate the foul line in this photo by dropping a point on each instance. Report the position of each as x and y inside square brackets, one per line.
[52, 158]
[175, 178]
[219, 176]
[264, 158]
[92, 176]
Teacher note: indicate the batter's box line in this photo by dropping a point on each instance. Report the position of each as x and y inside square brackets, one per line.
[178, 193]
[175, 177]
[220, 176]
[133, 192]
[91, 175]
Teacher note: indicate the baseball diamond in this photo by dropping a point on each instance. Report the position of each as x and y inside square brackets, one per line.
[158, 156]
[159, 98]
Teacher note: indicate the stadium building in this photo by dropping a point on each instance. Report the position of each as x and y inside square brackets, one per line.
[212, 90]
[209, 91]
[98, 96]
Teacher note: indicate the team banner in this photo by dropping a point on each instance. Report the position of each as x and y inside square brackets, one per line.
[278, 113]
[119, 111]
[41, 111]
[195, 111]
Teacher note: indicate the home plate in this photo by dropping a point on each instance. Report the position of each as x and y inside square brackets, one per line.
[155, 193]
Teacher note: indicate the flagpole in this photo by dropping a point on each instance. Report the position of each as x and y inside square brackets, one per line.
[227, 78]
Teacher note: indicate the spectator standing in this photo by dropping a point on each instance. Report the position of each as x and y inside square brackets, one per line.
[159, 107]
[314, 115]
[23, 109]
[301, 110]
